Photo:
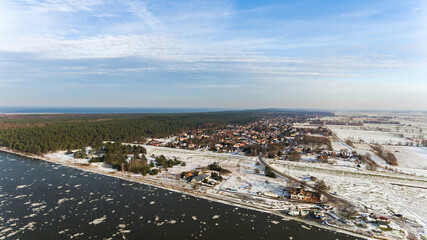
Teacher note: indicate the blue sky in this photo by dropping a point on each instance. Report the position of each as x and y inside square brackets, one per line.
[214, 54]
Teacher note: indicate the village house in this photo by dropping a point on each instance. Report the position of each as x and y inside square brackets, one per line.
[323, 157]
[200, 178]
[300, 194]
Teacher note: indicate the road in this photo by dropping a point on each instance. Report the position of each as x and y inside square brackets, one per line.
[338, 202]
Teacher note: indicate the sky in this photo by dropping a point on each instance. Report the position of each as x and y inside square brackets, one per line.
[365, 55]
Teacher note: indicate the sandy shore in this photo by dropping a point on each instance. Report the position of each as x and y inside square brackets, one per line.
[162, 185]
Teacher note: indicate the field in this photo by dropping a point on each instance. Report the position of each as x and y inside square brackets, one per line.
[370, 191]
[389, 190]
[410, 157]
[357, 134]
[243, 178]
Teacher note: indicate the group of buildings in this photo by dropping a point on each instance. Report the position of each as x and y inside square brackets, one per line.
[271, 137]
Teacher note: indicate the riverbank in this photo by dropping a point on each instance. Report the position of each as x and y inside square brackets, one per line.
[164, 185]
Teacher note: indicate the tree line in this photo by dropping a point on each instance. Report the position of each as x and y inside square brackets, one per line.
[76, 135]
[389, 157]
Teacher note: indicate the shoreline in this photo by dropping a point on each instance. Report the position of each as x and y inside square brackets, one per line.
[150, 182]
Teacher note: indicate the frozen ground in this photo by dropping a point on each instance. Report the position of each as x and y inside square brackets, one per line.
[66, 158]
[408, 129]
[371, 191]
[356, 134]
[338, 146]
[410, 157]
[243, 178]
[363, 149]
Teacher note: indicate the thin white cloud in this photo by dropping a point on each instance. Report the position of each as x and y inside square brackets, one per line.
[62, 5]
[139, 9]
[105, 15]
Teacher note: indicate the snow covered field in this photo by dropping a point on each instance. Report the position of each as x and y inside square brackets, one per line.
[410, 157]
[363, 149]
[408, 129]
[66, 158]
[356, 134]
[370, 191]
[338, 146]
[243, 178]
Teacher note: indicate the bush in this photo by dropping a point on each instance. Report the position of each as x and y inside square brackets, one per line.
[321, 187]
[349, 142]
[95, 159]
[295, 156]
[215, 167]
[371, 166]
[389, 157]
[269, 172]
[216, 176]
[137, 166]
[80, 154]
[166, 163]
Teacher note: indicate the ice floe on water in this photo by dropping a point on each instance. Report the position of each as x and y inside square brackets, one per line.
[306, 227]
[98, 220]
[29, 226]
[62, 200]
[30, 216]
[37, 204]
[19, 196]
[76, 235]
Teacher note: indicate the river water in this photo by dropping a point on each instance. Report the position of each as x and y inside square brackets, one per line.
[42, 200]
